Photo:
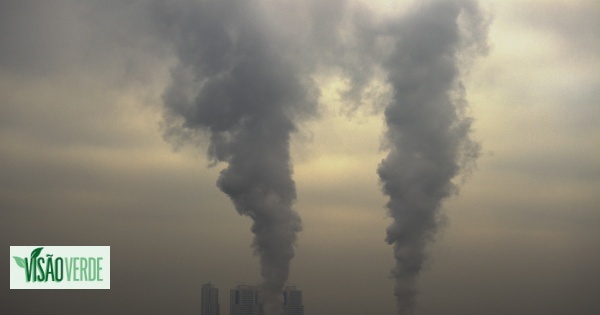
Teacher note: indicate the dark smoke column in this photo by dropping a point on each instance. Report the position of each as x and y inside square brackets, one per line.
[427, 132]
[233, 82]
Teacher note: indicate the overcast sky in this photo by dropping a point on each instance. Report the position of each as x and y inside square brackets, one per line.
[87, 157]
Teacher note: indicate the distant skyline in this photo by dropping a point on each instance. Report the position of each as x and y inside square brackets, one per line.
[89, 155]
[209, 300]
[247, 299]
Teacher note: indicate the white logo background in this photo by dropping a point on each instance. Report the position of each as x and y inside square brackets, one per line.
[17, 274]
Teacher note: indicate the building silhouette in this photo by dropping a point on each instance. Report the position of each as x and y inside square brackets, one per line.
[245, 300]
[292, 301]
[210, 300]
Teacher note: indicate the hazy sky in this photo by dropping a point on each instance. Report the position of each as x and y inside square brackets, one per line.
[87, 158]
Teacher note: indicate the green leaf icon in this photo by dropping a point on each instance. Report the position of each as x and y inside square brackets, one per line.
[20, 261]
[36, 252]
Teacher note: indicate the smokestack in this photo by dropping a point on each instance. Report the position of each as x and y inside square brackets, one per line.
[233, 82]
[427, 131]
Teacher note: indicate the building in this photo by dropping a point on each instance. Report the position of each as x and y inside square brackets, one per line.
[210, 300]
[245, 300]
[292, 301]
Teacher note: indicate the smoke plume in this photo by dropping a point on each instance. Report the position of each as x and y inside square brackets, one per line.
[233, 82]
[427, 130]
[242, 77]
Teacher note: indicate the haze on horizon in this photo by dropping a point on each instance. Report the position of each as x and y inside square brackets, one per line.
[87, 158]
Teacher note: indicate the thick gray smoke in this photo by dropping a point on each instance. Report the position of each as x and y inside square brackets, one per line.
[233, 81]
[242, 78]
[427, 130]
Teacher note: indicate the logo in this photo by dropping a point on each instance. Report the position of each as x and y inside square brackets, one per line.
[60, 267]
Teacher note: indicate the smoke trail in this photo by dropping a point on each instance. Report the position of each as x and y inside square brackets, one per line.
[234, 82]
[427, 131]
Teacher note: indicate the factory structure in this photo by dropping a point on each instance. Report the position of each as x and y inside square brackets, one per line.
[210, 300]
[247, 300]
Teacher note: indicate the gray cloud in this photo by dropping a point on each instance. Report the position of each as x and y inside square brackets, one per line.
[574, 23]
[83, 162]
[427, 132]
[234, 82]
